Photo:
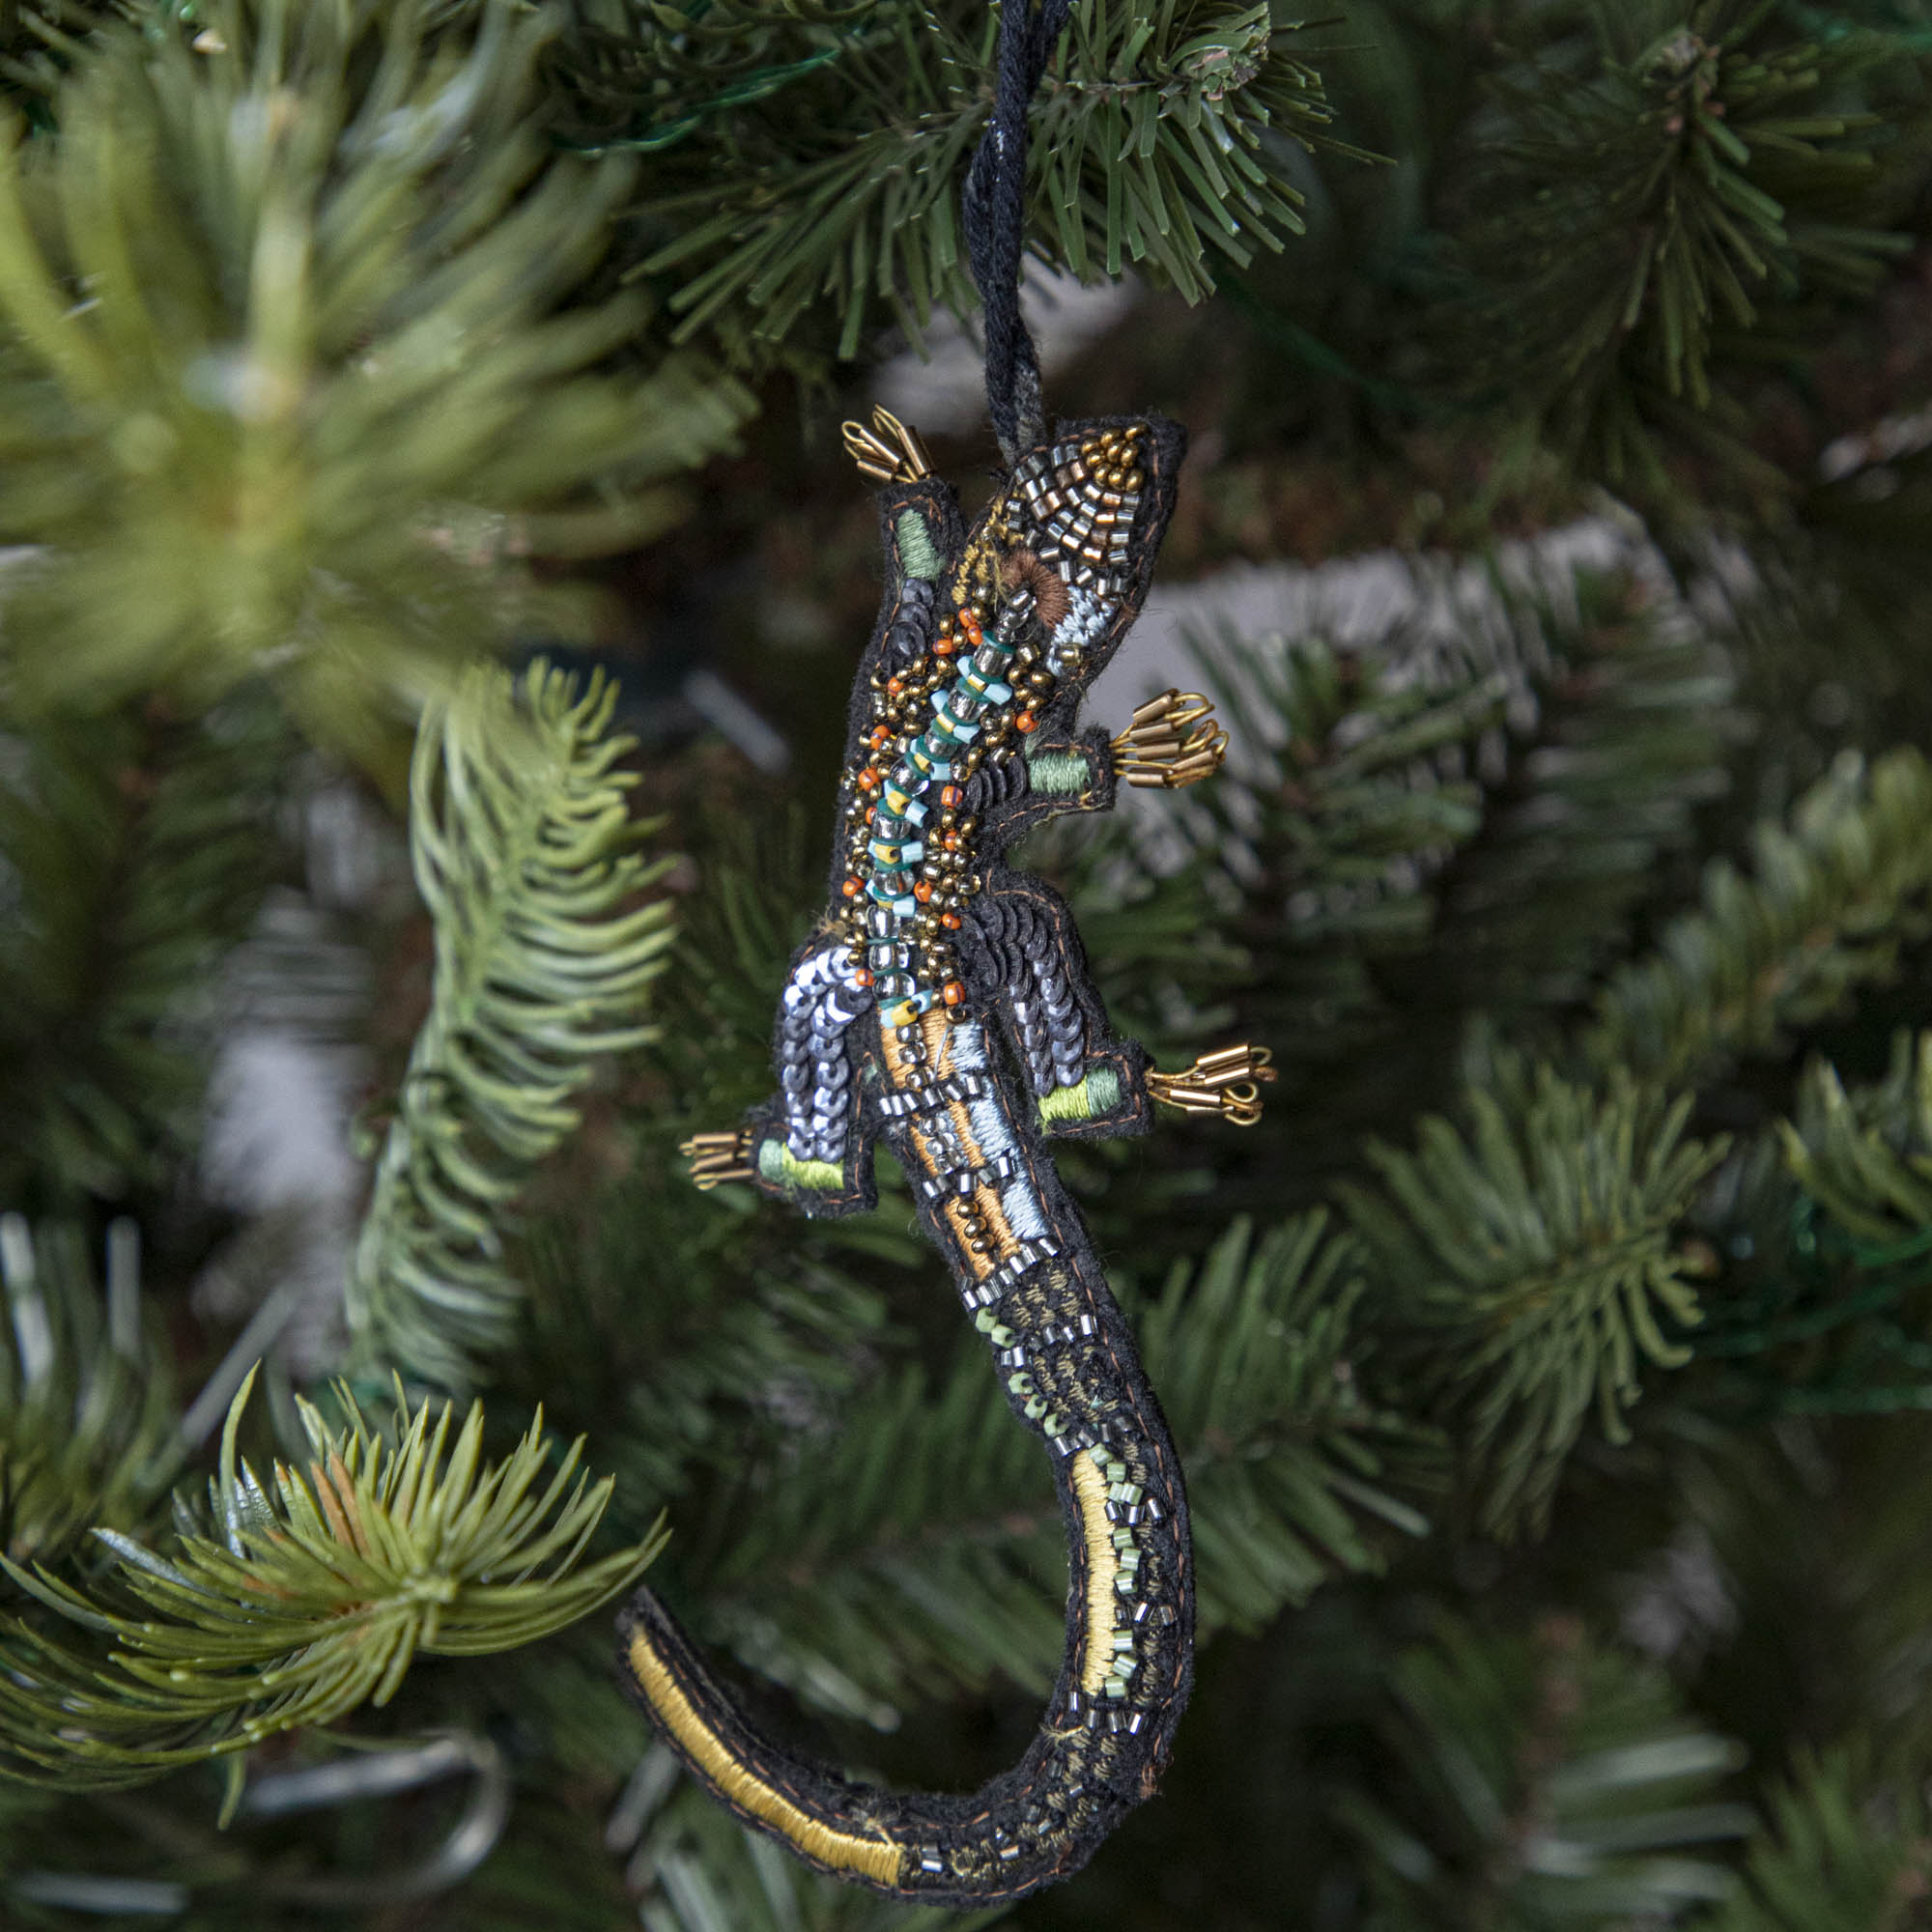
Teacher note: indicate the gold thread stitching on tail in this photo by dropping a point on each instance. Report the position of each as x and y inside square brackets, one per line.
[875, 1859]
[1090, 1487]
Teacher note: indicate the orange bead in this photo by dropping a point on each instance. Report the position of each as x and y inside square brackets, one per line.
[863, 977]
[896, 684]
[922, 892]
[953, 992]
[851, 889]
[951, 921]
[944, 647]
[1026, 721]
[950, 840]
[950, 796]
[868, 780]
[970, 624]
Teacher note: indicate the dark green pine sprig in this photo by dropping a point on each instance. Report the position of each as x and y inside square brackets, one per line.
[1835, 895]
[1158, 143]
[1841, 1851]
[136, 846]
[1531, 1262]
[88, 1419]
[1828, 1315]
[1540, 1781]
[1865, 1155]
[1659, 192]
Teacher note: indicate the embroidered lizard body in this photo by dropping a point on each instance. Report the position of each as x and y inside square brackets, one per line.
[943, 1006]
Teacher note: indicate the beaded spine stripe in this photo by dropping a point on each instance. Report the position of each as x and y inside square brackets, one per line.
[943, 1006]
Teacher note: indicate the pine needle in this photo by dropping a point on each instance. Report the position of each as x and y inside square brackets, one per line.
[1866, 1157]
[1156, 142]
[322, 391]
[523, 855]
[302, 1598]
[1842, 1851]
[87, 1414]
[1833, 895]
[1536, 1250]
[1542, 1780]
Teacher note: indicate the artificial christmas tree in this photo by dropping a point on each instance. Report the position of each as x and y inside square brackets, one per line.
[1548, 1362]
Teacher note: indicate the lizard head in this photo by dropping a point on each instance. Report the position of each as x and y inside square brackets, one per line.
[1075, 532]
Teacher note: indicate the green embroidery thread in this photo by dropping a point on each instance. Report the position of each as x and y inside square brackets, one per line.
[916, 550]
[1098, 1093]
[778, 1163]
[1057, 774]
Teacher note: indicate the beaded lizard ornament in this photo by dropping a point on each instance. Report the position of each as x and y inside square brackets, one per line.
[943, 1005]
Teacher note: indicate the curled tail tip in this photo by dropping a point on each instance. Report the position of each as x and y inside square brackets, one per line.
[1028, 1828]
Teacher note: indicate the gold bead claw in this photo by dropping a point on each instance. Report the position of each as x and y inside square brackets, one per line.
[1171, 741]
[1226, 1083]
[718, 1157]
[890, 451]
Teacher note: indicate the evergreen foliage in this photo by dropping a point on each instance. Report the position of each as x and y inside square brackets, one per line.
[1655, 178]
[1621, 722]
[1532, 1258]
[1368, 796]
[134, 849]
[292, 1604]
[519, 838]
[1549, 1782]
[1152, 130]
[1835, 1856]
[1290, 1456]
[86, 1410]
[1835, 1323]
[1866, 1160]
[338, 342]
[1836, 897]
[925, 1560]
[254, 447]
[1439, 831]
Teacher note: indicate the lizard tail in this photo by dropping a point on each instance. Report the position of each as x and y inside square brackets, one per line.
[1107, 1728]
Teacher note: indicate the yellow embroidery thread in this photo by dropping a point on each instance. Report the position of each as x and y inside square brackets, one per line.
[1090, 1487]
[875, 1859]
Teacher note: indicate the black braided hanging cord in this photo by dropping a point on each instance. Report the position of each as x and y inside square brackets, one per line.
[993, 211]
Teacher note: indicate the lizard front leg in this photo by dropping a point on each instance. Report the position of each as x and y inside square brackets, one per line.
[1056, 775]
[1171, 741]
[809, 1145]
